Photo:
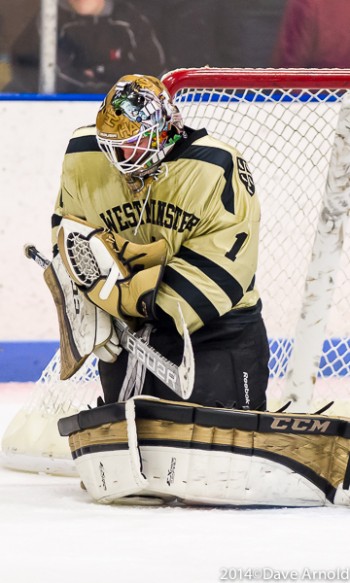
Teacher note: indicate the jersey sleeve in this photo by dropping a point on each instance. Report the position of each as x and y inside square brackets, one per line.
[68, 200]
[65, 205]
[214, 269]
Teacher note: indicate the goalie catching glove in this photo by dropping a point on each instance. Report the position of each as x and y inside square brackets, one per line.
[120, 277]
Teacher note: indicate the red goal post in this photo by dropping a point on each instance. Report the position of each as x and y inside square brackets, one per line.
[226, 78]
[292, 126]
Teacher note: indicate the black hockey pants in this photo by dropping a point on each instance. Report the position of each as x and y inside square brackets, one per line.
[231, 364]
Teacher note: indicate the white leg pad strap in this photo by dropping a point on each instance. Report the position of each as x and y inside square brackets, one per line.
[107, 457]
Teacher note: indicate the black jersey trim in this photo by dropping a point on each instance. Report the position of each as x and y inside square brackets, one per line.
[217, 274]
[191, 294]
[251, 285]
[220, 158]
[82, 144]
[56, 220]
[186, 141]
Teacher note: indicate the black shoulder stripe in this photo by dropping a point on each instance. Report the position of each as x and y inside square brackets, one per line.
[193, 296]
[220, 276]
[83, 144]
[220, 158]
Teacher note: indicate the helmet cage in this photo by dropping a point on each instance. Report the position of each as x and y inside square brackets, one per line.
[149, 152]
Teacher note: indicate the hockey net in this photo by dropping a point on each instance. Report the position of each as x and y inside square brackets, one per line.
[292, 127]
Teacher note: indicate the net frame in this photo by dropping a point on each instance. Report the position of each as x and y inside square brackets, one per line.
[270, 94]
[31, 441]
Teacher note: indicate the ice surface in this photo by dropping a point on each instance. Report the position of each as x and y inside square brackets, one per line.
[51, 532]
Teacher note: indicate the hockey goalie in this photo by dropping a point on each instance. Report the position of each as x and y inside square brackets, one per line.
[157, 226]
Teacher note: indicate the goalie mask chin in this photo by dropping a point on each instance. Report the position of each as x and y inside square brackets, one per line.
[137, 124]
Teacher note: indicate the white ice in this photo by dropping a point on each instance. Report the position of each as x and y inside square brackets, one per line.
[51, 532]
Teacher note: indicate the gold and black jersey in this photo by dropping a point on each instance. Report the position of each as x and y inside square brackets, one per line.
[202, 202]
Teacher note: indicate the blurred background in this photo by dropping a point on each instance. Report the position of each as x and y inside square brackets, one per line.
[83, 46]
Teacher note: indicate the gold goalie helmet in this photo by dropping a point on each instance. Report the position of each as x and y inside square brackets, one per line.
[137, 124]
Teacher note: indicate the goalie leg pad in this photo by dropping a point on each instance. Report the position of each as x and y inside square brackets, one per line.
[204, 455]
[107, 456]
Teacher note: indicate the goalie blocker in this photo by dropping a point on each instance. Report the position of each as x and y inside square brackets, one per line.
[147, 447]
[83, 327]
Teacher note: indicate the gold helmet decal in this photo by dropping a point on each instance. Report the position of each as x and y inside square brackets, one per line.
[113, 125]
[137, 107]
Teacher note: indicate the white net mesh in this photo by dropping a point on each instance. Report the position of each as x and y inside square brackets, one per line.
[55, 397]
[287, 137]
[31, 442]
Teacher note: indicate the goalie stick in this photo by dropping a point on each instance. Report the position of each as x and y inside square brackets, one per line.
[179, 379]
